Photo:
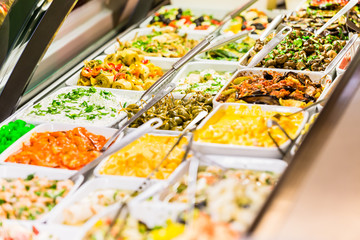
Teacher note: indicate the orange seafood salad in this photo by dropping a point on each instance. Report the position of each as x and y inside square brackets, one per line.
[71, 149]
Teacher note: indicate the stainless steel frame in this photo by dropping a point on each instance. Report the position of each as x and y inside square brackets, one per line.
[326, 152]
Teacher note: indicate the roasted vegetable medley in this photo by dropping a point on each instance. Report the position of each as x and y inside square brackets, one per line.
[167, 44]
[301, 51]
[175, 113]
[122, 70]
[290, 89]
[182, 19]
[304, 21]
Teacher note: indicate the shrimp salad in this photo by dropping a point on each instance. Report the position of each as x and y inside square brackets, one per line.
[32, 197]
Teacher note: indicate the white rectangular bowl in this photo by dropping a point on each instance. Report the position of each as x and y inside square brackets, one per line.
[89, 187]
[122, 96]
[246, 151]
[244, 61]
[163, 64]
[10, 172]
[49, 127]
[146, 31]
[216, 13]
[246, 163]
[120, 178]
[314, 76]
[350, 54]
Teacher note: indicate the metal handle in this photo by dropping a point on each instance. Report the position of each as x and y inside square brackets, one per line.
[270, 46]
[192, 53]
[145, 128]
[344, 10]
[226, 41]
[236, 12]
[150, 91]
[340, 56]
[275, 22]
[146, 107]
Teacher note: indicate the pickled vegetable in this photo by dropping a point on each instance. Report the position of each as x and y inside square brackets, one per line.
[176, 114]
[120, 70]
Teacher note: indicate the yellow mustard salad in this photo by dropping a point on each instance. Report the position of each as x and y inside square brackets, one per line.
[246, 126]
[139, 158]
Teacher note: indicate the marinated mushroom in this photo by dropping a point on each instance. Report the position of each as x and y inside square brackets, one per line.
[301, 53]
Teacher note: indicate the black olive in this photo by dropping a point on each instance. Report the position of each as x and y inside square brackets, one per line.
[201, 18]
[152, 20]
[243, 27]
[167, 21]
[161, 17]
[200, 205]
[258, 26]
[197, 23]
[180, 11]
[268, 76]
[181, 218]
[178, 16]
[270, 20]
[255, 18]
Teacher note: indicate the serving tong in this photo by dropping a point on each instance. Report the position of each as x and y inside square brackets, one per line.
[129, 138]
[160, 87]
[342, 11]
[124, 204]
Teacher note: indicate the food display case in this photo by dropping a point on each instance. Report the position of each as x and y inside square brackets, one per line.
[155, 120]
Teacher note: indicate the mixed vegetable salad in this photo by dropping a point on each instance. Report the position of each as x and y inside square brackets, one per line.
[183, 19]
[301, 51]
[167, 44]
